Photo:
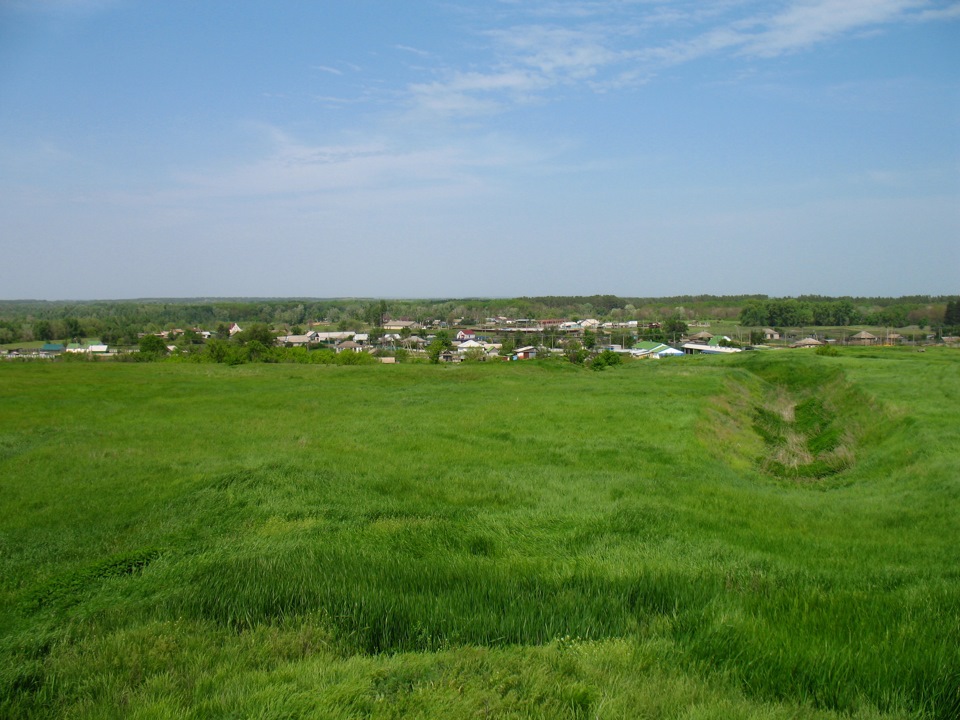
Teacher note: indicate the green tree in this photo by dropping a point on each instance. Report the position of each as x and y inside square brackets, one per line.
[375, 313]
[258, 351]
[440, 343]
[216, 350]
[674, 326]
[605, 359]
[575, 352]
[951, 315]
[73, 329]
[153, 345]
[43, 330]
[258, 332]
[190, 337]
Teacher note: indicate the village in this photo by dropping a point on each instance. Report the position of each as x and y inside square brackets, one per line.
[499, 338]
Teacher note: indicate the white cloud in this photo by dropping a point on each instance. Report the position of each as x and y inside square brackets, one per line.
[412, 50]
[327, 69]
[804, 24]
[618, 43]
[557, 52]
[365, 172]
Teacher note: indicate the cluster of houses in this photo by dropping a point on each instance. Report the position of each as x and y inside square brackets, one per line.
[475, 342]
[51, 350]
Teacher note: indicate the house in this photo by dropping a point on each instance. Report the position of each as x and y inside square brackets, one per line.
[700, 337]
[894, 338]
[465, 335]
[691, 348]
[525, 353]
[400, 325]
[770, 334]
[349, 345]
[297, 340]
[863, 338]
[326, 337]
[470, 345]
[52, 348]
[653, 349]
[807, 343]
[234, 329]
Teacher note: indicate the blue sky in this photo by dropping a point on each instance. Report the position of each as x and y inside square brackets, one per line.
[482, 148]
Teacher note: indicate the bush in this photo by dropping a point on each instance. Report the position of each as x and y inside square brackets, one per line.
[606, 359]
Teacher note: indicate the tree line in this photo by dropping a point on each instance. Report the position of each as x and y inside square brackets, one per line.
[121, 322]
[798, 312]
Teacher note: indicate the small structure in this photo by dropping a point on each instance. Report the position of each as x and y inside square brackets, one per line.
[463, 335]
[400, 325]
[807, 343]
[654, 350]
[234, 329]
[770, 334]
[529, 352]
[328, 337]
[863, 338]
[719, 340]
[297, 340]
[349, 345]
[470, 345]
[700, 337]
[704, 349]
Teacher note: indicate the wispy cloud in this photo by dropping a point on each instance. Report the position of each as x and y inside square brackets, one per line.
[804, 24]
[325, 173]
[327, 69]
[412, 50]
[603, 44]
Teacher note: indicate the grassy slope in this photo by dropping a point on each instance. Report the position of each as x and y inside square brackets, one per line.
[518, 539]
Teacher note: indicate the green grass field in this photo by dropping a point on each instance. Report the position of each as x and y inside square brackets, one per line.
[771, 535]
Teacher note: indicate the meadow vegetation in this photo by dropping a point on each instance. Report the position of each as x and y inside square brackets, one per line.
[768, 535]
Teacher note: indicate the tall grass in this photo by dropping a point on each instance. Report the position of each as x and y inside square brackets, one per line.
[300, 540]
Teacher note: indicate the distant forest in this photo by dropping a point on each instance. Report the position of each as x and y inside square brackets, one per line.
[120, 321]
